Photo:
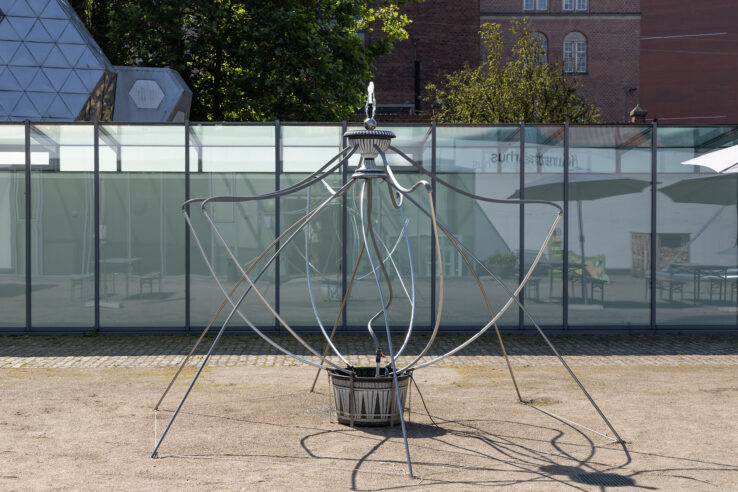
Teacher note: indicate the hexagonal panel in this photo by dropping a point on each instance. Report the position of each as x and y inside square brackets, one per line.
[146, 94]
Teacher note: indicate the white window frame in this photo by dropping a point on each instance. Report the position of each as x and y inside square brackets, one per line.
[529, 5]
[578, 5]
[544, 43]
[575, 53]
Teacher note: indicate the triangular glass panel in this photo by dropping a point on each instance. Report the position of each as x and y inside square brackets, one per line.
[90, 77]
[24, 75]
[72, 52]
[54, 27]
[75, 102]
[21, 25]
[41, 100]
[54, 11]
[20, 9]
[40, 51]
[38, 33]
[23, 58]
[56, 59]
[88, 60]
[7, 50]
[25, 108]
[74, 85]
[57, 76]
[71, 35]
[57, 109]
[40, 83]
[38, 5]
[7, 32]
[8, 100]
[8, 82]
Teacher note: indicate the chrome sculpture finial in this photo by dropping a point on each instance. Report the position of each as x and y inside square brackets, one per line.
[370, 123]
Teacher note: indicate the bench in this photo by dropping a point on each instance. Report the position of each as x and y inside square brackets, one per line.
[666, 284]
[148, 279]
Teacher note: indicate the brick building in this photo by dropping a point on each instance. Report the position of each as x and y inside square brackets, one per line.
[688, 68]
[444, 36]
[598, 41]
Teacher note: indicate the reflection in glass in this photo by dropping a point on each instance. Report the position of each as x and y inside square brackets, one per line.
[12, 223]
[484, 161]
[142, 229]
[62, 228]
[609, 208]
[697, 253]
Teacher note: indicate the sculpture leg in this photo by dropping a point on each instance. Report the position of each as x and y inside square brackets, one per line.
[367, 227]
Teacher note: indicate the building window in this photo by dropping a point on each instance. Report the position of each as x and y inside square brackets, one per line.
[535, 4]
[575, 53]
[580, 5]
[544, 45]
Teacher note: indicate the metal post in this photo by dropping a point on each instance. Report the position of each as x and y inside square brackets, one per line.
[521, 232]
[277, 222]
[653, 253]
[96, 200]
[186, 231]
[434, 170]
[565, 245]
[27, 171]
[344, 231]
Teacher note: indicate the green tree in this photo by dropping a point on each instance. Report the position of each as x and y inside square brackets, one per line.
[253, 60]
[521, 87]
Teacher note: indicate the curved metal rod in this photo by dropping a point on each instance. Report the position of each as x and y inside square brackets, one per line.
[340, 312]
[310, 180]
[368, 227]
[472, 195]
[328, 339]
[439, 259]
[528, 314]
[513, 298]
[229, 300]
[253, 287]
[384, 310]
[407, 191]
[489, 310]
[390, 252]
[412, 277]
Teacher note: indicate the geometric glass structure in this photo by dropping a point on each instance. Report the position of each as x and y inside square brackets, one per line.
[51, 69]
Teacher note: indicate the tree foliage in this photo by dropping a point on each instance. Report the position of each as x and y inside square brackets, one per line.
[253, 60]
[523, 87]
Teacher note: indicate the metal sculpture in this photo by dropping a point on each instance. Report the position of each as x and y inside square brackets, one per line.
[370, 145]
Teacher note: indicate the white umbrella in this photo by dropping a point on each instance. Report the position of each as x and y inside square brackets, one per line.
[723, 161]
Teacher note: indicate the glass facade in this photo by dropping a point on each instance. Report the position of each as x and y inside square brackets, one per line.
[94, 239]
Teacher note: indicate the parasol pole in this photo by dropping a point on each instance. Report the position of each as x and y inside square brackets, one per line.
[581, 249]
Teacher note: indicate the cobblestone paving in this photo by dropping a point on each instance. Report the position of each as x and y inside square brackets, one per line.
[243, 350]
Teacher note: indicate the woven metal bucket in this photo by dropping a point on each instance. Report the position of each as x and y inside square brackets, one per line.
[374, 401]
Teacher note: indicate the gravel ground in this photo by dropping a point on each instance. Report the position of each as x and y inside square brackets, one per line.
[256, 426]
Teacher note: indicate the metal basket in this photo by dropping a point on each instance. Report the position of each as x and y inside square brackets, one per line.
[367, 400]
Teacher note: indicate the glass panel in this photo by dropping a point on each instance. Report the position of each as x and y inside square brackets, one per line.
[12, 222]
[697, 256]
[484, 161]
[141, 228]
[248, 228]
[62, 228]
[414, 141]
[544, 175]
[609, 212]
[306, 148]
[323, 243]
[233, 148]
